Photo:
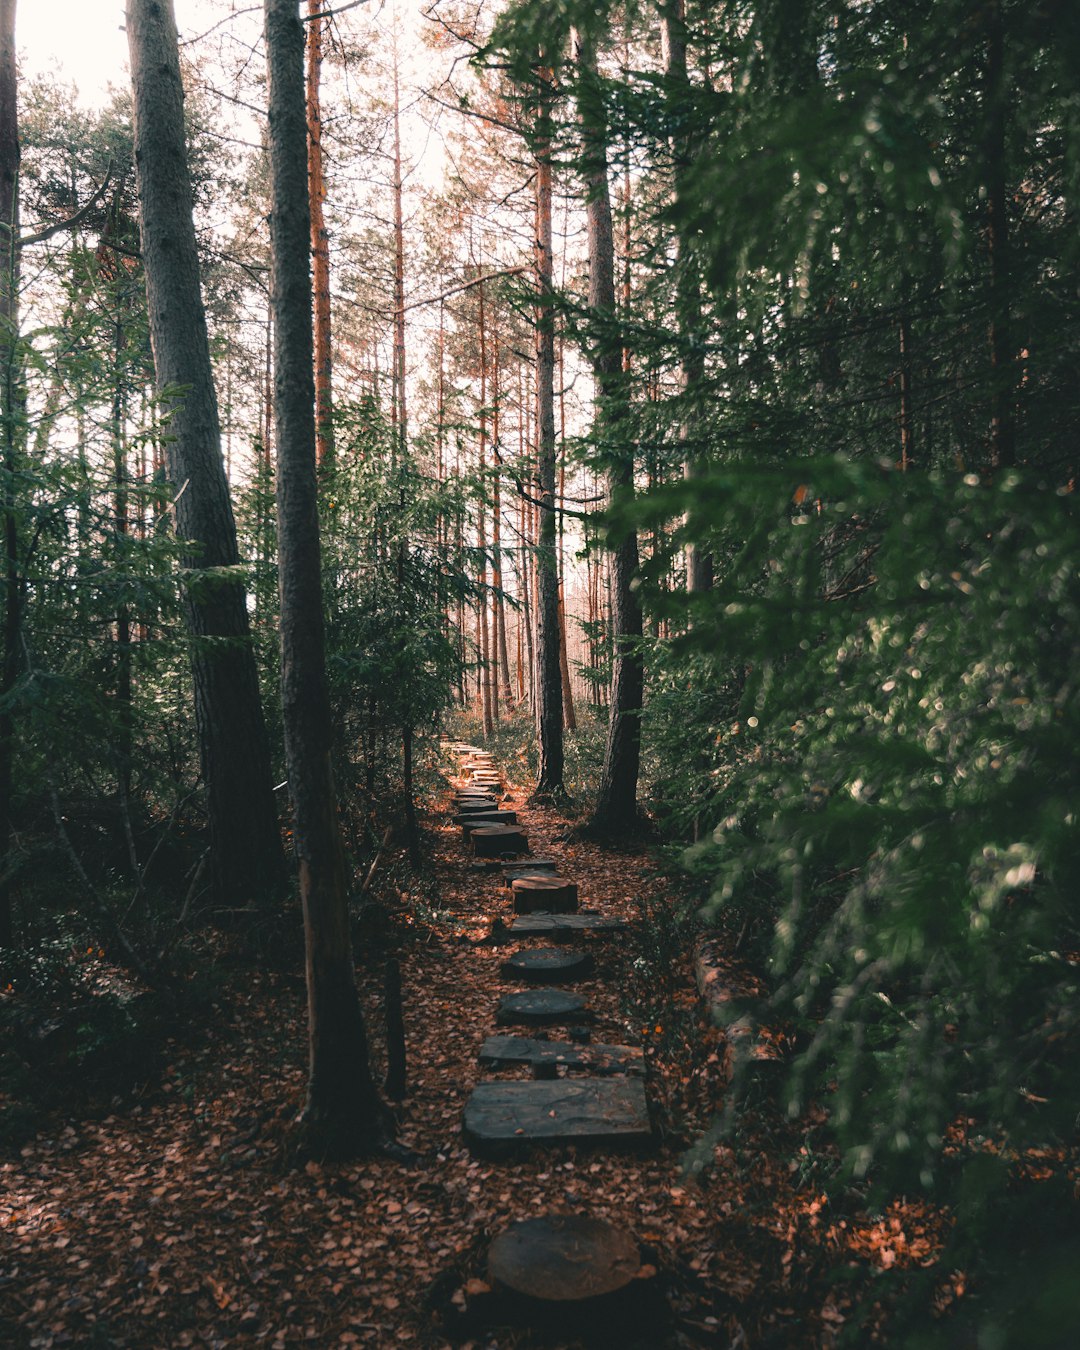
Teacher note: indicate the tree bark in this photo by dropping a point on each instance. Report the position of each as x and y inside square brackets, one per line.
[11, 417]
[320, 243]
[1002, 359]
[549, 704]
[699, 564]
[616, 806]
[343, 1112]
[245, 845]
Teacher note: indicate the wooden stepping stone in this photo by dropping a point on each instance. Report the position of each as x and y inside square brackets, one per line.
[541, 1008]
[562, 925]
[474, 804]
[552, 895]
[491, 841]
[563, 1259]
[547, 866]
[470, 820]
[502, 1117]
[548, 965]
[544, 1057]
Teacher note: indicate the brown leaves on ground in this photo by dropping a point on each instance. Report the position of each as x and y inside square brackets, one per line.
[183, 1220]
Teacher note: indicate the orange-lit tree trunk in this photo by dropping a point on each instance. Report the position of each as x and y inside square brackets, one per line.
[342, 1113]
[569, 716]
[320, 244]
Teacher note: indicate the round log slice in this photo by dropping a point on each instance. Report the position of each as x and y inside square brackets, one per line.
[476, 804]
[552, 895]
[540, 1008]
[547, 965]
[493, 841]
[563, 1258]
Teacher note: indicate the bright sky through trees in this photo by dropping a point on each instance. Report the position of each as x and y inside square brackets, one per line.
[84, 42]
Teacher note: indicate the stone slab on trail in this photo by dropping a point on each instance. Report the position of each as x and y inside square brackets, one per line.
[501, 1052]
[564, 1258]
[564, 925]
[547, 965]
[490, 816]
[534, 866]
[541, 1008]
[503, 1117]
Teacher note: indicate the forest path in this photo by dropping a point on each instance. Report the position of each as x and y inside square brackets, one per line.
[179, 1217]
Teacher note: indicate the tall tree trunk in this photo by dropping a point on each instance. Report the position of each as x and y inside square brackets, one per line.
[1002, 358]
[549, 703]
[399, 413]
[616, 806]
[12, 431]
[569, 716]
[342, 1112]
[245, 846]
[121, 525]
[502, 674]
[489, 622]
[699, 565]
[320, 243]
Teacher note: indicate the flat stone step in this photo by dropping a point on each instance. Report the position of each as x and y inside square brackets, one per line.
[549, 894]
[563, 925]
[504, 1117]
[564, 1259]
[541, 1008]
[544, 1057]
[537, 866]
[491, 841]
[471, 820]
[548, 965]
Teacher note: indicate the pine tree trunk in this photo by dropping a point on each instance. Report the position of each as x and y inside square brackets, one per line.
[616, 806]
[11, 418]
[1002, 360]
[699, 566]
[569, 716]
[342, 1113]
[245, 846]
[320, 243]
[549, 703]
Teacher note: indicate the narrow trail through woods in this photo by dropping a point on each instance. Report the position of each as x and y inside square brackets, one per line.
[181, 1217]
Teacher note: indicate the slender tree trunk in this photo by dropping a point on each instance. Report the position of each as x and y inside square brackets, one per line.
[121, 525]
[907, 421]
[342, 1113]
[489, 623]
[502, 673]
[699, 565]
[400, 416]
[616, 806]
[1002, 359]
[320, 242]
[11, 418]
[569, 716]
[245, 846]
[549, 704]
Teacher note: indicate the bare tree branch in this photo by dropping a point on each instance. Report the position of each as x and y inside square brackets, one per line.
[72, 221]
